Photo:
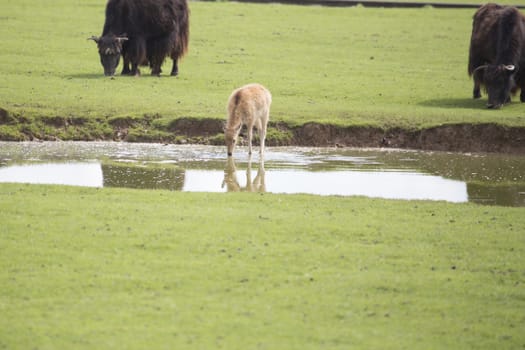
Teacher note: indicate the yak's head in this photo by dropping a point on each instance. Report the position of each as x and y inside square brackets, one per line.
[110, 50]
[499, 81]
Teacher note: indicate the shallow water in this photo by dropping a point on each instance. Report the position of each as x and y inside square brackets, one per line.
[487, 179]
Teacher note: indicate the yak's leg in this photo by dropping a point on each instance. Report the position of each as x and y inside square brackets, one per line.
[137, 53]
[478, 78]
[125, 59]
[153, 54]
[476, 92]
[175, 68]
[475, 61]
[174, 55]
[125, 68]
[155, 65]
[477, 86]
[155, 70]
[135, 71]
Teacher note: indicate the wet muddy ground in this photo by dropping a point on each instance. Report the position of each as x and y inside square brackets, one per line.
[487, 137]
[384, 173]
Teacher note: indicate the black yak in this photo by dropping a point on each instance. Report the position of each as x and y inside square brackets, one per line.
[497, 53]
[143, 32]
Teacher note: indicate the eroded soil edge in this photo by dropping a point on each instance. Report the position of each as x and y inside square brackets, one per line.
[454, 138]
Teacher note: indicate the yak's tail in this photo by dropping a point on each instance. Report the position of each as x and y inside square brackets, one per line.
[182, 28]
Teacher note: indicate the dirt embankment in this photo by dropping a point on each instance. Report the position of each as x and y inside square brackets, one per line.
[454, 138]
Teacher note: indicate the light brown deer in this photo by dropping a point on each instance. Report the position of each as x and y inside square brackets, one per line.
[231, 182]
[250, 106]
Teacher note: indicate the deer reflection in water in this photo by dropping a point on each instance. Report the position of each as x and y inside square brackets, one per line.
[232, 184]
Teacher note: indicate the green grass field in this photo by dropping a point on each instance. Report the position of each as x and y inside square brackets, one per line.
[344, 66]
[113, 268]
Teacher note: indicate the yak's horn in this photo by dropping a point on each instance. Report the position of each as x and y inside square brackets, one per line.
[479, 68]
[94, 38]
[509, 67]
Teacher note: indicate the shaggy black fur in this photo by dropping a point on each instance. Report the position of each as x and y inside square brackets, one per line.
[497, 53]
[144, 32]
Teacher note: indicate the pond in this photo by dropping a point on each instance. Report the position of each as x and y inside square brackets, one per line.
[398, 174]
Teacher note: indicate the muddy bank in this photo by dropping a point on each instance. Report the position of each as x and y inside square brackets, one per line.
[155, 128]
[455, 138]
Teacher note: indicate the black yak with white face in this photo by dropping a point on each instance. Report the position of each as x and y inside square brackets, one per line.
[497, 53]
[143, 32]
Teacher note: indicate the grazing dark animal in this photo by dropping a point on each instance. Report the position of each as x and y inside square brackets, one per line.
[143, 32]
[497, 53]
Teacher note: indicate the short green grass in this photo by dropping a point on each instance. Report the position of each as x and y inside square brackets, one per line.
[118, 268]
[346, 66]
[114, 268]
